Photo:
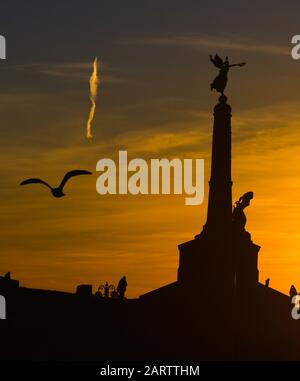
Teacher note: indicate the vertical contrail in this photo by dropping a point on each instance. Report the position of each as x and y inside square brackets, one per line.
[94, 81]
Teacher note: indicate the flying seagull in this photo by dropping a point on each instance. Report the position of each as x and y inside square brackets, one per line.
[57, 192]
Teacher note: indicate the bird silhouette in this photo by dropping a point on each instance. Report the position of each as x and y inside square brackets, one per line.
[57, 192]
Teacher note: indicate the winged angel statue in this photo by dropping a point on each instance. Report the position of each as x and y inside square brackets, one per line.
[220, 81]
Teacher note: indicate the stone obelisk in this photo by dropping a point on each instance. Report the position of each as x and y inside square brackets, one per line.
[219, 213]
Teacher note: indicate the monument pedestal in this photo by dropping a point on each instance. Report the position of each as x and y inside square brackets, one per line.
[213, 263]
[205, 268]
[246, 253]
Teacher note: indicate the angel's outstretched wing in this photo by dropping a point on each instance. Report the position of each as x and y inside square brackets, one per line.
[70, 174]
[217, 61]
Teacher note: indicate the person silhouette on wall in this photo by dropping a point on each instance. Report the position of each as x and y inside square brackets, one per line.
[7, 275]
[267, 282]
[293, 291]
[122, 285]
[106, 290]
[98, 293]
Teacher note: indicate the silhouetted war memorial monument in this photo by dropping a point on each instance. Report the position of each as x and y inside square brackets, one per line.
[216, 310]
[222, 256]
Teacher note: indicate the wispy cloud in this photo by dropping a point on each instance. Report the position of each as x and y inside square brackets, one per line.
[204, 41]
[75, 70]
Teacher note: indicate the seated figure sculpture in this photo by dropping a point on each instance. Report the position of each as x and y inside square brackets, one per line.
[245, 250]
[238, 216]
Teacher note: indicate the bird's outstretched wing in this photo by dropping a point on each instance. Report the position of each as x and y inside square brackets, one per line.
[70, 174]
[217, 61]
[35, 181]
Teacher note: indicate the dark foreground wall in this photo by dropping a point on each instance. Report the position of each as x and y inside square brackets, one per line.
[45, 325]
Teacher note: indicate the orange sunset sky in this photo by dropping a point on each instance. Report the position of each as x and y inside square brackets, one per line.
[154, 101]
